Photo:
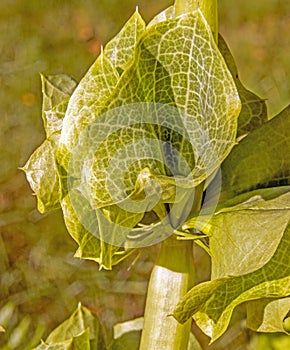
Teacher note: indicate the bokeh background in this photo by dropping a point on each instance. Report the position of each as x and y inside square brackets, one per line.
[40, 281]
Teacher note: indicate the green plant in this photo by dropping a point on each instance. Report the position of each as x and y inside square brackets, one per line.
[161, 143]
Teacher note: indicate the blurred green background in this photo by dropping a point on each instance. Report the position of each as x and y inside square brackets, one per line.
[40, 281]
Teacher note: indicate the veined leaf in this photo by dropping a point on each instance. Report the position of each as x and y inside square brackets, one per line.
[260, 160]
[254, 110]
[175, 64]
[88, 98]
[243, 242]
[140, 127]
[41, 170]
[212, 303]
[97, 85]
[169, 68]
[81, 319]
[54, 118]
[41, 173]
[156, 76]
[266, 315]
[55, 89]
[243, 239]
[89, 245]
[120, 49]
[89, 238]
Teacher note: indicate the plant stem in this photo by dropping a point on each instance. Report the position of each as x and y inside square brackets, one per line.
[170, 279]
[209, 9]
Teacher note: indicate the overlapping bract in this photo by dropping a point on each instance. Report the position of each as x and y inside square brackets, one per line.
[174, 63]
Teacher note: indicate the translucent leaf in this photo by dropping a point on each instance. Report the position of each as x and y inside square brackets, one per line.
[177, 62]
[41, 173]
[94, 88]
[54, 118]
[41, 169]
[55, 89]
[266, 315]
[92, 91]
[254, 110]
[89, 238]
[89, 244]
[120, 49]
[81, 331]
[135, 130]
[243, 239]
[212, 303]
[260, 160]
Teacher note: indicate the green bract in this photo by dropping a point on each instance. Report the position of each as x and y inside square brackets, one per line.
[154, 117]
[160, 116]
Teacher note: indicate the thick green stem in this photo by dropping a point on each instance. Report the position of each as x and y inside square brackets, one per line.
[170, 279]
[209, 9]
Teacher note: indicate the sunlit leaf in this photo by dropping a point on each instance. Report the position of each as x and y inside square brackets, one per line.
[41, 169]
[89, 96]
[55, 89]
[169, 69]
[54, 118]
[120, 49]
[138, 112]
[212, 303]
[243, 239]
[88, 238]
[41, 173]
